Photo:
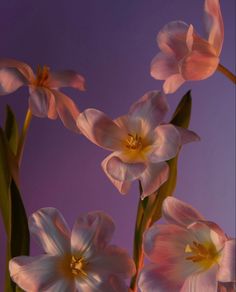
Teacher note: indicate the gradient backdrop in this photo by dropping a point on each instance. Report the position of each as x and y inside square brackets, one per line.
[112, 43]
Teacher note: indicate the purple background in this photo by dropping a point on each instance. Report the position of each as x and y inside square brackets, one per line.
[112, 43]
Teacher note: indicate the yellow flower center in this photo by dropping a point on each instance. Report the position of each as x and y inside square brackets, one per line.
[134, 142]
[42, 75]
[203, 253]
[77, 266]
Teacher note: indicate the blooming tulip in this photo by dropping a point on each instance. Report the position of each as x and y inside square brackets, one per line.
[140, 144]
[45, 100]
[184, 54]
[80, 261]
[187, 254]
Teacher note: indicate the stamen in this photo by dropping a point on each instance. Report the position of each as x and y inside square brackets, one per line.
[134, 142]
[77, 266]
[42, 75]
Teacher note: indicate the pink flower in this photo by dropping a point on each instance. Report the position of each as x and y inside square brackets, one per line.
[140, 144]
[80, 261]
[187, 254]
[45, 100]
[185, 55]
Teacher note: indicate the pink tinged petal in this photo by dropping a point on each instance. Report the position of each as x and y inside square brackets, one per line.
[49, 226]
[112, 260]
[153, 177]
[178, 212]
[10, 80]
[199, 66]
[214, 24]
[100, 129]
[42, 103]
[24, 70]
[67, 110]
[122, 186]
[187, 136]
[163, 65]
[91, 232]
[167, 143]
[227, 270]
[151, 107]
[34, 274]
[190, 38]
[67, 78]
[204, 281]
[62, 285]
[153, 279]
[172, 83]
[122, 171]
[172, 39]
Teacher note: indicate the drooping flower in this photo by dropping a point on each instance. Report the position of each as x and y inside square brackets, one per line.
[140, 144]
[81, 260]
[184, 54]
[187, 254]
[45, 100]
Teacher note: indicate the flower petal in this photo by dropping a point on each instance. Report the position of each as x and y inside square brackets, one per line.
[67, 110]
[164, 65]
[67, 78]
[49, 226]
[42, 103]
[113, 260]
[62, 285]
[153, 279]
[122, 186]
[151, 107]
[100, 129]
[226, 271]
[214, 24]
[153, 177]
[187, 136]
[198, 65]
[180, 213]
[172, 39]
[172, 83]
[167, 143]
[10, 80]
[91, 233]
[204, 281]
[34, 274]
[122, 171]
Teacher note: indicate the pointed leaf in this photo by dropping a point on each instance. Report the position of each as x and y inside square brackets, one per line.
[11, 129]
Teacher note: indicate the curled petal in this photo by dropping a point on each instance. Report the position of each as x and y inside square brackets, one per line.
[151, 107]
[49, 226]
[180, 213]
[100, 129]
[214, 24]
[226, 271]
[172, 83]
[187, 136]
[10, 80]
[123, 171]
[199, 66]
[42, 103]
[67, 110]
[91, 232]
[153, 177]
[34, 274]
[67, 78]
[167, 143]
[122, 186]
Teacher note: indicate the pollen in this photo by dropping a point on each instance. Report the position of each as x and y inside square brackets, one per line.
[77, 266]
[203, 253]
[134, 142]
[42, 76]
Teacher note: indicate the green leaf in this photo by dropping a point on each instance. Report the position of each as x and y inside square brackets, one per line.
[11, 129]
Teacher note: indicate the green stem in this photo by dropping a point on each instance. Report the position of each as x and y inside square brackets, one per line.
[227, 73]
[24, 132]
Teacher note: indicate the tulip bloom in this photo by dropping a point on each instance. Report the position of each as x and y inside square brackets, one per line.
[80, 261]
[140, 144]
[187, 254]
[45, 100]
[184, 54]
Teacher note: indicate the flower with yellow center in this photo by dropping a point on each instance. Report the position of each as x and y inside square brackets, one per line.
[139, 142]
[45, 99]
[77, 261]
[187, 254]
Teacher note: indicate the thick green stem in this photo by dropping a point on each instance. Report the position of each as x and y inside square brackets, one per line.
[23, 135]
[227, 73]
